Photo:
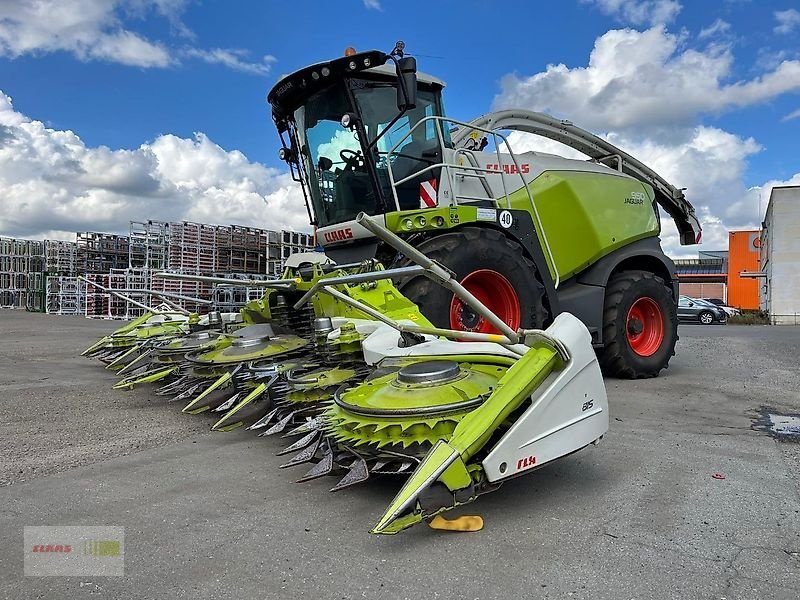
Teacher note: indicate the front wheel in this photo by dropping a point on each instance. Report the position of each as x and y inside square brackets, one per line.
[493, 268]
[706, 318]
[640, 325]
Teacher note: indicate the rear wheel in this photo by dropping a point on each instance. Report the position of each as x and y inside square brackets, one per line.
[640, 325]
[493, 268]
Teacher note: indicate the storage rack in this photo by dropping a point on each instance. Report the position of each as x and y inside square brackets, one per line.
[21, 267]
[42, 276]
[148, 244]
[231, 298]
[65, 296]
[102, 252]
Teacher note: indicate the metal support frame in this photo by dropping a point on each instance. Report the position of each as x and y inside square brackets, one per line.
[433, 270]
[265, 283]
[155, 311]
[470, 170]
[438, 273]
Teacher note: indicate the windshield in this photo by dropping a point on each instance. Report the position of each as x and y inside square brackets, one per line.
[334, 157]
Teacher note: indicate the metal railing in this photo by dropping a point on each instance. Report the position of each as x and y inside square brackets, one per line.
[473, 170]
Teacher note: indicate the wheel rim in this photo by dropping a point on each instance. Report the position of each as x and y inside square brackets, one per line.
[496, 293]
[705, 319]
[644, 326]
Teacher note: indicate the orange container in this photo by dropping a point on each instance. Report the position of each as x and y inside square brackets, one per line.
[743, 253]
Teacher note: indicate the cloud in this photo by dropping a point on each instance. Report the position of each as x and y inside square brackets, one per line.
[89, 29]
[792, 115]
[640, 12]
[645, 79]
[233, 58]
[96, 30]
[646, 92]
[373, 4]
[788, 20]
[53, 184]
[717, 28]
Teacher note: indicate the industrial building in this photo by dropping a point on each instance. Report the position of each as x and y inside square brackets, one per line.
[705, 276]
[718, 273]
[779, 266]
[743, 256]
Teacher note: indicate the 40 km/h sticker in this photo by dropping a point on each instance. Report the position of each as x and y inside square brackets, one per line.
[506, 220]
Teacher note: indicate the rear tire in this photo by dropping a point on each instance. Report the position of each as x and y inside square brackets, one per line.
[498, 268]
[640, 325]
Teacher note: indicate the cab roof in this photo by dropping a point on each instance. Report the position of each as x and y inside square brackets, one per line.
[292, 90]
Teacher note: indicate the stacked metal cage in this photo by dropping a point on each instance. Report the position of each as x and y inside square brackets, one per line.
[22, 283]
[45, 276]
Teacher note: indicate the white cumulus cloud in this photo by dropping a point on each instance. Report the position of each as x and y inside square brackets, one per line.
[640, 12]
[101, 30]
[788, 20]
[52, 183]
[89, 29]
[645, 79]
[646, 92]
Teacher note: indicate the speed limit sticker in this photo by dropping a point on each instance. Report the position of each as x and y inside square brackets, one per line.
[506, 220]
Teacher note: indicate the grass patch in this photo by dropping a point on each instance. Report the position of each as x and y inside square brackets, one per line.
[750, 317]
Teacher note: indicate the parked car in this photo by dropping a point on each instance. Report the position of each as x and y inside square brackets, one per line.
[694, 309]
[721, 303]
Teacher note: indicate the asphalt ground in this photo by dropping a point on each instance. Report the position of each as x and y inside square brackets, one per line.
[209, 515]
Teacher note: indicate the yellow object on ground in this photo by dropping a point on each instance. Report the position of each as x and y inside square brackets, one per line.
[463, 523]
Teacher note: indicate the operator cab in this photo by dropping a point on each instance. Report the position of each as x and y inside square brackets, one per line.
[343, 121]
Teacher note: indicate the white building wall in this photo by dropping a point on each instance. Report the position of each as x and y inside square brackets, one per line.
[780, 256]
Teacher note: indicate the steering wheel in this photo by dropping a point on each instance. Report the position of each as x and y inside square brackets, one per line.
[350, 157]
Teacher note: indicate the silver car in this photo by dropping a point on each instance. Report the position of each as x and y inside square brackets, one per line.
[694, 309]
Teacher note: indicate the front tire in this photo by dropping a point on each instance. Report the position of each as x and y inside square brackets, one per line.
[640, 325]
[705, 317]
[493, 268]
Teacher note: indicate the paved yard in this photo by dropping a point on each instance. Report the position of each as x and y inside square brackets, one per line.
[209, 515]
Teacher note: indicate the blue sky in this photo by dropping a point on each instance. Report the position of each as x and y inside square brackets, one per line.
[704, 90]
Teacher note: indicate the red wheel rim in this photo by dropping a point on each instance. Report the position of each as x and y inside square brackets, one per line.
[644, 326]
[495, 292]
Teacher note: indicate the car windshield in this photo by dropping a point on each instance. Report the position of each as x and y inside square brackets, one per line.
[333, 155]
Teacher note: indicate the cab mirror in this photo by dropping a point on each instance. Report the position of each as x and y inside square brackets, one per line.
[407, 83]
[324, 163]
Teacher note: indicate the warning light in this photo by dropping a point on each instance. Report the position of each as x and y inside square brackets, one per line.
[349, 51]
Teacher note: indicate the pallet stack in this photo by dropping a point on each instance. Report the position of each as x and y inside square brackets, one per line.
[230, 298]
[293, 242]
[148, 245]
[65, 295]
[44, 276]
[21, 279]
[102, 252]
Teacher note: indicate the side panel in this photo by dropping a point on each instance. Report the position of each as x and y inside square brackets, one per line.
[568, 411]
[586, 216]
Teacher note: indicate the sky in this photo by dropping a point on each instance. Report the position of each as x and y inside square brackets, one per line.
[119, 110]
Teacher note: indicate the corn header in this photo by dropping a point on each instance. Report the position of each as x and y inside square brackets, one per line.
[357, 382]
